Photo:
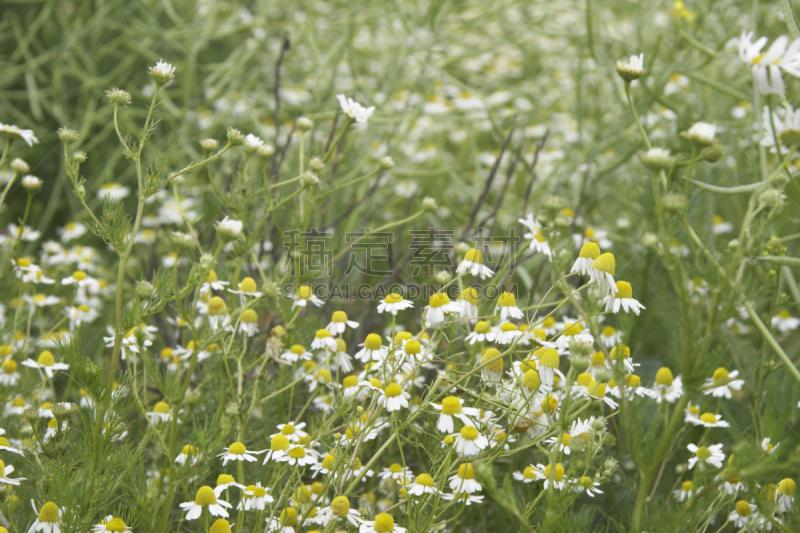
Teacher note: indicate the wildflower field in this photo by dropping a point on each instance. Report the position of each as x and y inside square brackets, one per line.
[423, 266]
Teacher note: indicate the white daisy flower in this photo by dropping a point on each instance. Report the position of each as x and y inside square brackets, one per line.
[279, 444]
[469, 441]
[255, 498]
[372, 349]
[296, 353]
[766, 67]
[709, 420]
[453, 407]
[473, 263]
[394, 398]
[113, 191]
[13, 131]
[767, 445]
[423, 484]
[354, 110]
[785, 322]
[743, 514]
[205, 497]
[292, 431]
[46, 364]
[538, 242]
[622, 298]
[339, 322]
[685, 492]
[111, 525]
[722, 383]
[583, 264]
[586, 485]
[439, 306]
[238, 452]
[507, 307]
[47, 518]
[464, 480]
[712, 455]
[323, 340]
[298, 455]
[304, 295]
[338, 510]
[394, 303]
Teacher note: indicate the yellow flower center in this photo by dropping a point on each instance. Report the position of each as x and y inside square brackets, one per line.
[350, 381]
[48, 513]
[570, 329]
[686, 486]
[590, 250]
[482, 327]
[548, 357]
[288, 429]
[531, 379]
[598, 359]
[720, 376]
[46, 359]
[237, 448]
[494, 366]
[438, 300]
[248, 285]
[703, 452]
[465, 471]
[249, 317]
[339, 317]
[558, 475]
[586, 482]
[598, 390]
[24, 263]
[279, 443]
[188, 450]
[624, 290]
[115, 524]
[584, 379]
[664, 376]
[425, 480]
[743, 508]
[605, 263]
[393, 298]
[79, 275]
[304, 293]
[289, 517]
[529, 472]
[375, 382]
[539, 237]
[257, 492]
[224, 479]
[205, 496]
[402, 336]
[323, 334]
[393, 390]
[216, 306]
[549, 404]
[328, 461]
[384, 523]
[787, 487]
[340, 506]
[297, 349]
[507, 300]
[708, 418]
[298, 452]
[470, 294]
[474, 256]
[469, 433]
[4, 442]
[633, 381]
[372, 342]
[619, 352]
[9, 366]
[413, 347]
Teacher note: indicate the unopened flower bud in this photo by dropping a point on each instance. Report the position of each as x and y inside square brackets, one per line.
[266, 150]
[80, 191]
[771, 198]
[278, 331]
[235, 137]
[209, 145]
[31, 414]
[649, 240]
[712, 153]
[316, 165]
[80, 157]
[632, 68]
[733, 244]
[144, 289]
[443, 276]
[229, 229]
[162, 73]
[118, 97]
[387, 162]
[309, 179]
[31, 183]
[657, 159]
[674, 202]
[206, 261]
[553, 203]
[304, 124]
[183, 241]
[19, 166]
[68, 135]
[429, 204]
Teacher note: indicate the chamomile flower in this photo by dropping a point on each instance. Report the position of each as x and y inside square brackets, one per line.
[247, 288]
[7, 470]
[468, 302]
[279, 444]
[383, 523]
[507, 307]
[12, 131]
[767, 445]
[255, 497]
[538, 242]
[719, 226]
[339, 322]
[188, 453]
[529, 474]
[205, 497]
[547, 365]
[743, 513]
[396, 472]
[394, 303]
[473, 263]
[80, 279]
[113, 191]
[685, 492]
[709, 420]
[466, 499]
[238, 452]
[622, 297]
[785, 322]
[583, 264]
[372, 349]
[212, 282]
[248, 322]
[552, 475]
[722, 383]
[354, 110]
[341, 359]
[667, 387]
[292, 431]
[217, 314]
[323, 340]
[602, 272]
[339, 510]
[47, 518]
[784, 495]
[394, 398]
[111, 524]
[469, 441]
[586, 485]
[610, 336]
[492, 373]
[304, 295]
[464, 480]
[46, 364]
[482, 329]
[453, 407]
[9, 377]
[296, 353]
[505, 333]
[439, 306]
[712, 455]
[423, 484]
[298, 455]
[160, 413]
[350, 387]
[766, 66]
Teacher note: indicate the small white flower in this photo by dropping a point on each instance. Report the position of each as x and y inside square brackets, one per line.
[238, 452]
[712, 455]
[354, 110]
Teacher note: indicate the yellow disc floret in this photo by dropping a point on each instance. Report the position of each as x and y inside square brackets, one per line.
[605, 263]
[590, 250]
